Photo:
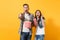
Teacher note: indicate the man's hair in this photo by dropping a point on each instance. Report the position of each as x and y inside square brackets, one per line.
[25, 5]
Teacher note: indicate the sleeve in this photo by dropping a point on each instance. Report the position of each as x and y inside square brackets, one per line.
[21, 26]
[33, 16]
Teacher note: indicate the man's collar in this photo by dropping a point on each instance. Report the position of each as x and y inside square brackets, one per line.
[26, 12]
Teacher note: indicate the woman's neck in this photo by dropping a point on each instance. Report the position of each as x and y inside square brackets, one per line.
[37, 18]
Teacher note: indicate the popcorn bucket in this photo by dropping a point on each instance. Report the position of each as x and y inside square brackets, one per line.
[27, 24]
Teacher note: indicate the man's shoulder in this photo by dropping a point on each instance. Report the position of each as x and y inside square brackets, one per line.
[31, 14]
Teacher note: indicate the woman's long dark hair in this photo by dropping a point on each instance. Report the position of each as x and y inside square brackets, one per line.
[39, 16]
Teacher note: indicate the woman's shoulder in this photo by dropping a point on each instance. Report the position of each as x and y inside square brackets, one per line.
[42, 17]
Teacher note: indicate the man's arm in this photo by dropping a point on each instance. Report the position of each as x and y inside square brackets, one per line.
[20, 16]
[21, 26]
[21, 23]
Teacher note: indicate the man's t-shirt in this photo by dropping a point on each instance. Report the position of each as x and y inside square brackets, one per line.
[27, 23]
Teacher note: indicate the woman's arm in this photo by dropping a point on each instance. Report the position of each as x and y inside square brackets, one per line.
[21, 23]
[35, 22]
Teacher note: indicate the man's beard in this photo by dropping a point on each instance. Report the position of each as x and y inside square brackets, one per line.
[26, 10]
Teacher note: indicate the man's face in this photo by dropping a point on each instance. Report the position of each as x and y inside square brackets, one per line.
[26, 8]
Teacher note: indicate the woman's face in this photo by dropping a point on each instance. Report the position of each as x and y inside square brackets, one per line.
[37, 13]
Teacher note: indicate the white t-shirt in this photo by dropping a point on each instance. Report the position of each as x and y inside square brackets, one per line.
[24, 28]
[40, 31]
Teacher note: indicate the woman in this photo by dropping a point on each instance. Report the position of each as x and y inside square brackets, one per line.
[40, 25]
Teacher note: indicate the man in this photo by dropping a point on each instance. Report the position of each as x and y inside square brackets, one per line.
[26, 23]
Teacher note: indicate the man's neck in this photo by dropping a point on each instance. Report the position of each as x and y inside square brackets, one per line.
[26, 12]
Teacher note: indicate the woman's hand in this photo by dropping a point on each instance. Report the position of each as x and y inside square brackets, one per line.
[35, 22]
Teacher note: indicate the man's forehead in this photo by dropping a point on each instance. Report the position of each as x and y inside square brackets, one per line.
[25, 6]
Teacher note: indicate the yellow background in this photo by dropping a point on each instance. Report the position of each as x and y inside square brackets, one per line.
[9, 22]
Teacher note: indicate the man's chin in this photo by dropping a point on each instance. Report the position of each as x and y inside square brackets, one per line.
[26, 10]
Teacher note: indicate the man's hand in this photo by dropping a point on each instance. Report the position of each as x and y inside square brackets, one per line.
[20, 16]
[19, 31]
